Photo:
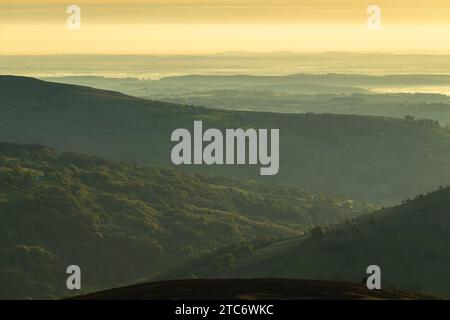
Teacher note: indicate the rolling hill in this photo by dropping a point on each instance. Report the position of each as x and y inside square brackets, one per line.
[410, 242]
[122, 222]
[381, 160]
[420, 96]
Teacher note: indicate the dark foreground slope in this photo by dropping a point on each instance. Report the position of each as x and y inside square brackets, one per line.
[250, 289]
[122, 222]
[378, 159]
[411, 244]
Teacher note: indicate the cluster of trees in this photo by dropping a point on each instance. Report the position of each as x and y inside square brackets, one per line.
[425, 122]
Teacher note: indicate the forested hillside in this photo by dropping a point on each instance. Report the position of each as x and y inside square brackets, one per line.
[123, 222]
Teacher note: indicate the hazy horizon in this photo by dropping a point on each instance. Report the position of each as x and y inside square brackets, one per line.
[225, 63]
[208, 26]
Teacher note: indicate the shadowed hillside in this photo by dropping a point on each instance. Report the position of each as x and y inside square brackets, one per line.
[411, 244]
[381, 160]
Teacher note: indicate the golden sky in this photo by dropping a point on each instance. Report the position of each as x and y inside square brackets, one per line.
[209, 26]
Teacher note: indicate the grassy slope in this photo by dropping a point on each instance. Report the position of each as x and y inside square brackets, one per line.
[411, 243]
[378, 159]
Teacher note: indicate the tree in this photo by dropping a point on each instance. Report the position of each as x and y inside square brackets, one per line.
[317, 232]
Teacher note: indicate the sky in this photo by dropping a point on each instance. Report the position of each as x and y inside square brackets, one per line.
[211, 26]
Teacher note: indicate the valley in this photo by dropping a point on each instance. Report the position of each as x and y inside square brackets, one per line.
[122, 223]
